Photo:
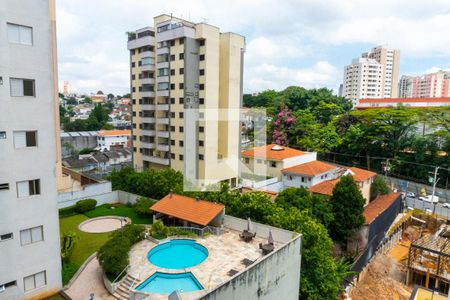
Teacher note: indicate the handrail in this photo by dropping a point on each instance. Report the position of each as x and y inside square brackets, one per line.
[118, 276]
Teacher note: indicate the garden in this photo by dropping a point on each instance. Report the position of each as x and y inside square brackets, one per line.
[77, 245]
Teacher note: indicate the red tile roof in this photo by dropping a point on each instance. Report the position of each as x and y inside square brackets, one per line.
[403, 100]
[312, 168]
[270, 152]
[361, 174]
[114, 132]
[378, 206]
[325, 187]
[189, 209]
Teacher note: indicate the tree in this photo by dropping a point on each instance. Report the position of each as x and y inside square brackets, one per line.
[68, 242]
[282, 126]
[317, 206]
[348, 206]
[86, 151]
[110, 96]
[379, 187]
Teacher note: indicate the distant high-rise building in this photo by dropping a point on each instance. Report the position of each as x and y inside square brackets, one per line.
[182, 75]
[433, 85]
[30, 158]
[373, 75]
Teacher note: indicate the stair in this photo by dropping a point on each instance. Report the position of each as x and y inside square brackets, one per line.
[123, 290]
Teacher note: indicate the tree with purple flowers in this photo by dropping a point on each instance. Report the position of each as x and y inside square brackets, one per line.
[281, 126]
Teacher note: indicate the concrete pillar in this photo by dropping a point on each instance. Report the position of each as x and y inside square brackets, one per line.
[427, 279]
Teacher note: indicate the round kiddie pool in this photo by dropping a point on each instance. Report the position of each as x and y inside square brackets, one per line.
[177, 254]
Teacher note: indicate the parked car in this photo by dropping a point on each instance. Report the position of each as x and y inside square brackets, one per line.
[430, 199]
[446, 205]
[410, 195]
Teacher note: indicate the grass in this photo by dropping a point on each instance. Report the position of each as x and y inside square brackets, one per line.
[119, 210]
[87, 244]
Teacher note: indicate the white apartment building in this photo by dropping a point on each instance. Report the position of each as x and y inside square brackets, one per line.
[30, 263]
[108, 138]
[373, 75]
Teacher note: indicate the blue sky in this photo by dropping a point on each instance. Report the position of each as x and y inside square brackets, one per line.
[289, 42]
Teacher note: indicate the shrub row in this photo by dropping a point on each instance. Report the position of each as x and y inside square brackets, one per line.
[113, 255]
[80, 207]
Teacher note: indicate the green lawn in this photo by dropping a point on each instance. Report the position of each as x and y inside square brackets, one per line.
[119, 210]
[87, 244]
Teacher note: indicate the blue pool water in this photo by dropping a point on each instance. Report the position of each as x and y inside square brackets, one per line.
[177, 254]
[164, 283]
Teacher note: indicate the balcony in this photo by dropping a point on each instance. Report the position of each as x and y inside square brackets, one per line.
[156, 160]
[148, 120]
[148, 145]
[149, 80]
[147, 53]
[163, 147]
[147, 94]
[162, 93]
[162, 79]
[141, 42]
[175, 33]
[164, 121]
[148, 67]
[148, 132]
[148, 106]
[162, 50]
[163, 134]
[162, 106]
[163, 65]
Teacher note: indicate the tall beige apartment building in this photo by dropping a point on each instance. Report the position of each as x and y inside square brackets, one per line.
[30, 159]
[186, 90]
[373, 75]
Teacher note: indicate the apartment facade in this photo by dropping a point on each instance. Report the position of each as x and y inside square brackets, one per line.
[433, 85]
[30, 264]
[184, 76]
[373, 75]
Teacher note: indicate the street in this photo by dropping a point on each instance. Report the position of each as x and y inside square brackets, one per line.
[424, 205]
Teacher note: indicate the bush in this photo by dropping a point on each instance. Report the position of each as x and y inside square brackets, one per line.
[86, 205]
[113, 255]
[181, 232]
[142, 206]
[67, 211]
[159, 230]
[68, 270]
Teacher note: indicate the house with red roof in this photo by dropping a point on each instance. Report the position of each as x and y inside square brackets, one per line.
[309, 174]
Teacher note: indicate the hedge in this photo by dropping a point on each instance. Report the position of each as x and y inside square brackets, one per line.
[142, 206]
[67, 211]
[86, 205]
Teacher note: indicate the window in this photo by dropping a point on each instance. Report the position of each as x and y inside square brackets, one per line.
[201, 143]
[31, 235]
[135, 149]
[172, 142]
[181, 71]
[163, 72]
[23, 139]
[163, 86]
[290, 177]
[181, 56]
[172, 57]
[34, 281]
[181, 41]
[181, 129]
[202, 57]
[202, 86]
[172, 128]
[22, 87]
[201, 100]
[181, 100]
[181, 143]
[202, 72]
[181, 115]
[20, 34]
[133, 64]
[172, 114]
[147, 61]
[172, 155]
[180, 156]
[7, 285]
[172, 72]
[201, 43]
[201, 129]
[172, 100]
[303, 179]
[2, 135]
[172, 86]
[4, 186]
[247, 160]
[200, 157]
[273, 164]
[28, 188]
[6, 236]
[181, 86]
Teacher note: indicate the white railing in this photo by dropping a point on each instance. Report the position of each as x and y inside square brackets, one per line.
[118, 276]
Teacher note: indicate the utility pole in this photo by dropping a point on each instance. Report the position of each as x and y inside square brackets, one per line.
[435, 180]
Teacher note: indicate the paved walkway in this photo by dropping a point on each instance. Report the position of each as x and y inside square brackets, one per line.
[89, 281]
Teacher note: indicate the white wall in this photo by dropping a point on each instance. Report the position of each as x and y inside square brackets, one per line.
[297, 179]
[99, 192]
[298, 160]
[28, 113]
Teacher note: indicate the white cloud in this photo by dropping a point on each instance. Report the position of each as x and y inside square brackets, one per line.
[267, 76]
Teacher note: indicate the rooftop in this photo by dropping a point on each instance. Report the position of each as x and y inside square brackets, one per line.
[378, 206]
[189, 209]
[114, 132]
[324, 188]
[312, 168]
[361, 175]
[272, 151]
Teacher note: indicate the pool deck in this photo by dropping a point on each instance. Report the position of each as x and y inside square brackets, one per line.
[225, 253]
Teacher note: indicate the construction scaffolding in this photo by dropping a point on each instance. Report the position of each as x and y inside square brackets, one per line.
[429, 261]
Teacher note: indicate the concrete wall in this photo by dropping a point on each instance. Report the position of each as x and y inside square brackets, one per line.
[36, 113]
[78, 142]
[275, 276]
[296, 180]
[100, 192]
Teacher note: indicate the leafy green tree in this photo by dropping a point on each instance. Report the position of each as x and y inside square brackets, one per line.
[68, 243]
[86, 151]
[86, 100]
[110, 96]
[379, 187]
[317, 206]
[348, 206]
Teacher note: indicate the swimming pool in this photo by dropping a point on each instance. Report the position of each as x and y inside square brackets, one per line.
[164, 283]
[177, 254]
